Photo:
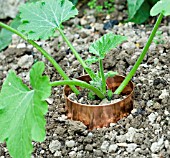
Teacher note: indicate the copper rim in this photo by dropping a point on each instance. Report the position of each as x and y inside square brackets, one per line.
[97, 116]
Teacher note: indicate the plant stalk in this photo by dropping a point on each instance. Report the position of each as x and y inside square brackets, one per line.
[89, 71]
[102, 76]
[79, 83]
[141, 57]
[47, 56]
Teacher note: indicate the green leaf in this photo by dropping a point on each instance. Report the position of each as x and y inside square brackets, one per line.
[133, 7]
[74, 1]
[106, 43]
[91, 60]
[41, 19]
[142, 14]
[110, 74]
[6, 36]
[22, 111]
[162, 6]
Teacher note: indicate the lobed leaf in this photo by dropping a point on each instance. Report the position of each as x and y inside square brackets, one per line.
[133, 7]
[162, 6]
[91, 60]
[6, 36]
[142, 14]
[106, 43]
[41, 19]
[22, 111]
[110, 74]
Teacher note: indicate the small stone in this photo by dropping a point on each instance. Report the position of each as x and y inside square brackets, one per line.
[166, 112]
[110, 24]
[157, 105]
[122, 144]
[70, 143]
[167, 145]
[104, 146]
[164, 94]
[98, 26]
[89, 147]
[113, 148]
[50, 100]
[72, 154]
[72, 96]
[156, 60]
[83, 21]
[155, 156]
[152, 117]
[79, 155]
[133, 111]
[104, 101]
[157, 146]
[26, 61]
[42, 152]
[121, 138]
[131, 147]
[90, 134]
[21, 45]
[54, 146]
[130, 134]
[149, 103]
[57, 154]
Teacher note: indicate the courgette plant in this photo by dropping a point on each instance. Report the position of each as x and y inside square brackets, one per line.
[22, 109]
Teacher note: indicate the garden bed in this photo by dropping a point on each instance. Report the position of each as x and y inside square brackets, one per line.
[144, 133]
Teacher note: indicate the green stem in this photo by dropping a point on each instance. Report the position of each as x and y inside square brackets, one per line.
[141, 57]
[89, 71]
[48, 57]
[79, 83]
[102, 76]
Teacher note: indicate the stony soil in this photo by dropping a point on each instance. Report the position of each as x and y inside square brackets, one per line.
[145, 133]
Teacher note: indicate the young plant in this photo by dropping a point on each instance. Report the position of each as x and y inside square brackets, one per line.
[22, 109]
[106, 6]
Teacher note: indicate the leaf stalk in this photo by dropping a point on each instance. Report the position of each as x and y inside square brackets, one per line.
[102, 76]
[79, 83]
[141, 57]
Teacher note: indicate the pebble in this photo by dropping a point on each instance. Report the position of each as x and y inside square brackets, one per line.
[131, 147]
[104, 101]
[54, 146]
[150, 103]
[152, 117]
[110, 24]
[167, 144]
[164, 94]
[58, 154]
[83, 21]
[89, 147]
[104, 147]
[70, 143]
[26, 61]
[130, 134]
[113, 148]
[72, 154]
[98, 26]
[21, 45]
[157, 146]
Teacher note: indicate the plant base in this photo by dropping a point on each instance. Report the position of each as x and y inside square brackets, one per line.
[97, 116]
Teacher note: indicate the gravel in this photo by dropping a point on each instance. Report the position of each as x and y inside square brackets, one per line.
[144, 133]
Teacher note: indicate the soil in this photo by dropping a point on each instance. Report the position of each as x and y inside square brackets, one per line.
[145, 133]
[84, 98]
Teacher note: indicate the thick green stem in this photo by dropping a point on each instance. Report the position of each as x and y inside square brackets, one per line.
[102, 76]
[89, 71]
[79, 83]
[48, 57]
[141, 57]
